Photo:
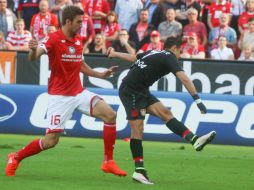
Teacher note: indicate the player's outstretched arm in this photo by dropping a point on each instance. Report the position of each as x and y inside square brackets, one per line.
[125, 56]
[35, 52]
[88, 71]
[188, 84]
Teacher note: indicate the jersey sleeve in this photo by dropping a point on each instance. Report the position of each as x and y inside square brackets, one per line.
[173, 64]
[47, 43]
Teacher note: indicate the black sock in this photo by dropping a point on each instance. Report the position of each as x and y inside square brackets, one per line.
[137, 153]
[180, 129]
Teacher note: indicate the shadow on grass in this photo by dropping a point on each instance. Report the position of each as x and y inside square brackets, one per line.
[5, 146]
[77, 146]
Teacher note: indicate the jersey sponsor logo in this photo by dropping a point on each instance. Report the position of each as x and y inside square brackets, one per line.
[72, 50]
[10, 108]
[140, 64]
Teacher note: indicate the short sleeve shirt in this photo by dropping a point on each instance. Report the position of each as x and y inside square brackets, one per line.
[150, 67]
[243, 20]
[65, 59]
[216, 10]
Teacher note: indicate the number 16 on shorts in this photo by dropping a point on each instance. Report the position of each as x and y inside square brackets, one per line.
[55, 119]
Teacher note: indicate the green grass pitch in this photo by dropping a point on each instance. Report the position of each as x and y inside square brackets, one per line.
[74, 164]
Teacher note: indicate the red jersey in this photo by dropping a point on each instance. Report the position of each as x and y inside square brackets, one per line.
[109, 30]
[40, 24]
[87, 29]
[185, 48]
[97, 5]
[243, 20]
[65, 59]
[216, 10]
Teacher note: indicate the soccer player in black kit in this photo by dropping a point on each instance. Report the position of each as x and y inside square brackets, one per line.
[134, 93]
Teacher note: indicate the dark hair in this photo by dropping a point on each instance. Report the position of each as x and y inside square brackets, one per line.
[144, 9]
[171, 41]
[70, 12]
[114, 14]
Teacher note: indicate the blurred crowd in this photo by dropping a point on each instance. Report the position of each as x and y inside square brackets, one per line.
[215, 29]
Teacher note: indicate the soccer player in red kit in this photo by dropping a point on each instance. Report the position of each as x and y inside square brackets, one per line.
[66, 94]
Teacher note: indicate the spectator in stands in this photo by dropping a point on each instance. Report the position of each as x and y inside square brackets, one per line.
[57, 8]
[97, 10]
[87, 30]
[42, 20]
[111, 28]
[19, 38]
[128, 12]
[12, 5]
[7, 18]
[247, 54]
[222, 52]
[245, 16]
[170, 4]
[51, 29]
[238, 7]
[181, 10]
[26, 10]
[123, 44]
[215, 11]
[154, 44]
[192, 49]
[112, 4]
[3, 44]
[159, 14]
[140, 31]
[151, 6]
[248, 36]
[205, 10]
[170, 27]
[97, 46]
[223, 30]
[195, 26]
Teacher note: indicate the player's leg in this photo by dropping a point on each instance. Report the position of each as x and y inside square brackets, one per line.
[33, 148]
[91, 104]
[159, 110]
[135, 104]
[140, 173]
[103, 111]
[57, 114]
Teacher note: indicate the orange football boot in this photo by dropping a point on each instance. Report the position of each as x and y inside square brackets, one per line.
[12, 165]
[111, 167]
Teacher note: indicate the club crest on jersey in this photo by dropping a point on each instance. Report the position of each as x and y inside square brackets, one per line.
[134, 112]
[143, 112]
[71, 50]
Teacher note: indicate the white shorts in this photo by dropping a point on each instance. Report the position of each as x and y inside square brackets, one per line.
[61, 108]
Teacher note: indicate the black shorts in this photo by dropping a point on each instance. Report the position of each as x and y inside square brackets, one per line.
[135, 102]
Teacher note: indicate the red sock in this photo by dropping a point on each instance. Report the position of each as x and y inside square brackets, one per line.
[31, 149]
[109, 137]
